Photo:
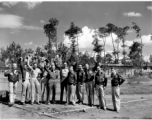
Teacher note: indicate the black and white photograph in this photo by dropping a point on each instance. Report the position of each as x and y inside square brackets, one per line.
[75, 59]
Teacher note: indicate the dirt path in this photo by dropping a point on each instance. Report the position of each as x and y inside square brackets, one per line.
[133, 110]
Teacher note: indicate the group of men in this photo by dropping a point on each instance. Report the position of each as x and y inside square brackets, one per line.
[40, 78]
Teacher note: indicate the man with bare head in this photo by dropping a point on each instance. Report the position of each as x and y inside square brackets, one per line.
[13, 78]
[26, 87]
[80, 85]
[35, 84]
[116, 81]
[89, 82]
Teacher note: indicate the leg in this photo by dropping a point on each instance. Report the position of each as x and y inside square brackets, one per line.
[29, 95]
[54, 92]
[62, 91]
[117, 98]
[68, 94]
[24, 87]
[98, 92]
[33, 90]
[87, 91]
[49, 91]
[103, 104]
[15, 89]
[11, 100]
[113, 97]
[91, 89]
[43, 87]
[72, 94]
[37, 90]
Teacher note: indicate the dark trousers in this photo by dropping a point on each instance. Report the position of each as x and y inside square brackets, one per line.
[51, 87]
[63, 86]
[90, 92]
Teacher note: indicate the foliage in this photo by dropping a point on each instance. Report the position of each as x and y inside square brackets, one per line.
[12, 52]
[108, 58]
[73, 32]
[63, 52]
[135, 53]
[50, 30]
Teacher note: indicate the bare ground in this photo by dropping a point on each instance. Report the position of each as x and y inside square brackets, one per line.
[136, 98]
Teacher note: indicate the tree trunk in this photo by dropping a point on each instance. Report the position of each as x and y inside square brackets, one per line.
[118, 50]
[113, 45]
[104, 51]
[141, 55]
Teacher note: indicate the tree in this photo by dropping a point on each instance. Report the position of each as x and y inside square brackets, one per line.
[135, 53]
[30, 51]
[63, 51]
[103, 34]
[73, 33]
[50, 30]
[138, 35]
[12, 52]
[108, 58]
[150, 58]
[98, 48]
[111, 29]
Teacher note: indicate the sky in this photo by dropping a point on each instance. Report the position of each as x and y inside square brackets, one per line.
[22, 22]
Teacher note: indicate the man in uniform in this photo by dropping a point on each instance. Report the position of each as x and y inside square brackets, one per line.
[116, 81]
[100, 85]
[13, 78]
[80, 85]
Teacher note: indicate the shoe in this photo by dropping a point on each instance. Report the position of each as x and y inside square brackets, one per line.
[53, 102]
[47, 103]
[38, 103]
[73, 104]
[105, 109]
[117, 111]
[78, 102]
[22, 103]
[11, 104]
[66, 104]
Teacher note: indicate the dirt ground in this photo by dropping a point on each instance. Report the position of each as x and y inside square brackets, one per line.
[136, 103]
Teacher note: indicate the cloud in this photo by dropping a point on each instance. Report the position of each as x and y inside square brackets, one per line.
[132, 14]
[31, 5]
[9, 4]
[29, 43]
[146, 58]
[1, 9]
[85, 42]
[15, 31]
[86, 39]
[28, 5]
[149, 8]
[42, 21]
[15, 22]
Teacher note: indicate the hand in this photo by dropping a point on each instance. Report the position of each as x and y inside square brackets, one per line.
[11, 73]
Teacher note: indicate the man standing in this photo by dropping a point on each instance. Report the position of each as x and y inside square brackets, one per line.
[63, 77]
[25, 80]
[89, 77]
[35, 85]
[52, 83]
[100, 85]
[71, 82]
[80, 84]
[13, 78]
[116, 81]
